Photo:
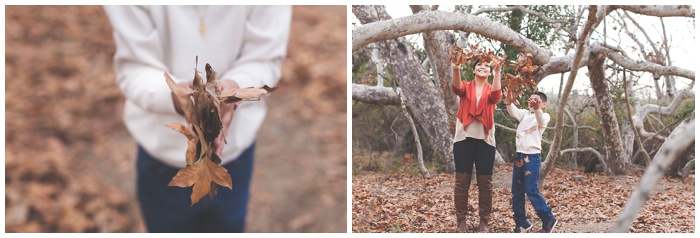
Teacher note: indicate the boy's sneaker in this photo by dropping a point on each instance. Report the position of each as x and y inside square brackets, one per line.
[519, 229]
[548, 227]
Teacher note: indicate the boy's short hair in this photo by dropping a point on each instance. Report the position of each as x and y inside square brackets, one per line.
[543, 96]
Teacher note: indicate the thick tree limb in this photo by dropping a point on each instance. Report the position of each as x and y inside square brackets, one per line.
[375, 94]
[679, 140]
[646, 66]
[439, 20]
[670, 110]
[660, 10]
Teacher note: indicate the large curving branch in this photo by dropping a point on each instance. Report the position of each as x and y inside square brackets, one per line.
[670, 110]
[440, 20]
[645, 66]
[563, 64]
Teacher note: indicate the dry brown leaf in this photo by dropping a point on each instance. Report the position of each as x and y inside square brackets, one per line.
[200, 176]
[183, 97]
[243, 94]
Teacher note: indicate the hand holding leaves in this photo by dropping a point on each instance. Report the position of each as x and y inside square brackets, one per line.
[208, 112]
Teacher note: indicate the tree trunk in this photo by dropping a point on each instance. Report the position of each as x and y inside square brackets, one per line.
[436, 45]
[422, 97]
[680, 138]
[606, 112]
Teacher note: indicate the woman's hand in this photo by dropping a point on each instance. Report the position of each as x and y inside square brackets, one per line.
[500, 62]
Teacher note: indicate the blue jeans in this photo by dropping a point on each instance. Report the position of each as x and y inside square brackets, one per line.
[167, 209]
[526, 172]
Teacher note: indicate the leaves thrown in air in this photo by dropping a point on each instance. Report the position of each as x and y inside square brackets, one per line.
[523, 79]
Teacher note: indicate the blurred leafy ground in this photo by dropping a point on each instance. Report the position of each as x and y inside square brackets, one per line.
[69, 161]
[405, 202]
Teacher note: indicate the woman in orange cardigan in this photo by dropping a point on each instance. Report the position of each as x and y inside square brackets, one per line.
[474, 142]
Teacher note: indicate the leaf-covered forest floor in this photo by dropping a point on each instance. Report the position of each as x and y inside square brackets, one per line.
[405, 202]
[70, 163]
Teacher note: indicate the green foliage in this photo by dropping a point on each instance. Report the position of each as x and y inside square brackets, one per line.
[531, 26]
[687, 110]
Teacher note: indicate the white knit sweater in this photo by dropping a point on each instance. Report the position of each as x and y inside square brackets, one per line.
[528, 136]
[245, 44]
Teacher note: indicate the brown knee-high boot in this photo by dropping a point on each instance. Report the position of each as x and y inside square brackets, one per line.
[462, 182]
[485, 200]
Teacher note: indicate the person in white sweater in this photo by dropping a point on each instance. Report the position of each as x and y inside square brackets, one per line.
[246, 45]
[528, 159]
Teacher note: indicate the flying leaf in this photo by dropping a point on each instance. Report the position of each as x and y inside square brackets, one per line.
[201, 176]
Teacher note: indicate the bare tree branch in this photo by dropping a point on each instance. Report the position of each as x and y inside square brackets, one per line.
[375, 94]
[655, 69]
[419, 148]
[660, 10]
[440, 20]
[590, 150]
[637, 138]
[680, 139]
[521, 8]
[670, 110]
[554, 149]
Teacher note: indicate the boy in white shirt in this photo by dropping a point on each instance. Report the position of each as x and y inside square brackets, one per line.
[526, 168]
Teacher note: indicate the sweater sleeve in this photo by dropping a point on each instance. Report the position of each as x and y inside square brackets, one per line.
[515, 112]
[542, 118]
[266, 33]
[139, 59]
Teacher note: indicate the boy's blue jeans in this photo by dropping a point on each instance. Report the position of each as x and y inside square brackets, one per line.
[526, 172]
[167, 209]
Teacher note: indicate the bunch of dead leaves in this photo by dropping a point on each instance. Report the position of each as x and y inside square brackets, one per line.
[460, 56]
[408, 203]
[522, 67]
[523, 78]
[201, 105]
